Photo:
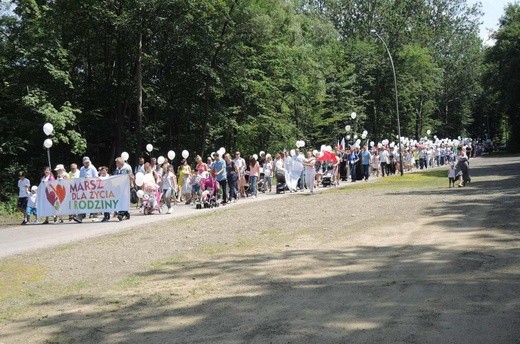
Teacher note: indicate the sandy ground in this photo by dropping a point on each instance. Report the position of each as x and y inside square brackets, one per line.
[360, 265]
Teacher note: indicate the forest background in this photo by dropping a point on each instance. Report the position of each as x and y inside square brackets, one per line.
[249, 75]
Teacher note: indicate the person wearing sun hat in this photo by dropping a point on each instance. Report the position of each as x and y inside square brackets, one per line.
[60, 175]
[60, 172]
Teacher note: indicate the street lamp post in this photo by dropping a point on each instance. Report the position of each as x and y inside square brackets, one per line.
[396, 102]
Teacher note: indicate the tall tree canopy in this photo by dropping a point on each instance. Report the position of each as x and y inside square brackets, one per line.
[114, 75]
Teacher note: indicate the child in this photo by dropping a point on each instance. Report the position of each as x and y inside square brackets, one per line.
[195, 186]
[23, 194]
[451, 175]
[32, 204]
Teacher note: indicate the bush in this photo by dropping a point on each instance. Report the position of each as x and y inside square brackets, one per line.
[9, 207]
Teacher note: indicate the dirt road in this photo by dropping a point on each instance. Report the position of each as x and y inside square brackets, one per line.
[391, 262]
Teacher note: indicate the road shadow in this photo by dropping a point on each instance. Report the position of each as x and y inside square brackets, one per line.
[405, 294]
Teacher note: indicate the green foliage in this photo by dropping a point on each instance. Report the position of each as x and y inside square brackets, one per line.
[502, 80]
[112, 76]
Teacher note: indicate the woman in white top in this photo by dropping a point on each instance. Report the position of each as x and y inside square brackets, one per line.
[310, 170]
[268, 172]
[168, 184]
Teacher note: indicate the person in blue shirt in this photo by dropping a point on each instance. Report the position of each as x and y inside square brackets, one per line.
[219, 171]
[353, 158]
[365, 162]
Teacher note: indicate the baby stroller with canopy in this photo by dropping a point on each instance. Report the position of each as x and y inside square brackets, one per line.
[151, 199]
[328, 175]
[209, 187]
[281, 185]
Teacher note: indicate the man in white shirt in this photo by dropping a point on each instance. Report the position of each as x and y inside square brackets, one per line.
[88, 170]
[383, 161]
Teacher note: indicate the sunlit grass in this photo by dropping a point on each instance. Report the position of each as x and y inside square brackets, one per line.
[426, 179]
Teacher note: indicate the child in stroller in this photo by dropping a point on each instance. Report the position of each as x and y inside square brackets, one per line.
[151, 199]
[209, 187]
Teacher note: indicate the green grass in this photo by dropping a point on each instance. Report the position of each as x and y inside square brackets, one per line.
[427, 179]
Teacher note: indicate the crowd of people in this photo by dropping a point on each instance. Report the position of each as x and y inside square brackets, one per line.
[236, 177]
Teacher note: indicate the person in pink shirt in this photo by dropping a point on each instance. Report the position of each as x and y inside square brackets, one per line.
[254, 173]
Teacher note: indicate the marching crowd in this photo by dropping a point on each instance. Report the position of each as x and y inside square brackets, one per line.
[236, 177]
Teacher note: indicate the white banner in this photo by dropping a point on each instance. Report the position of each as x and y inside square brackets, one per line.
[84, 195]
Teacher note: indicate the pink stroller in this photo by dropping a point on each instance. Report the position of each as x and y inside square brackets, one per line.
[151, 199]
[209, 187]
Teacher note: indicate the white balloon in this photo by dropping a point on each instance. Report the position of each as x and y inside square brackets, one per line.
[355, 137]
[140, 193]
[48, 129]
[428, 131]
[256, 156]
[125, 156]
[365, 132]
[47, 143]
[261, 153]
[160, 160]
[363, 136]
[223, 150]
[171, 155]
[314, 152]
[149, 148]
[212, 154]
[372, 143]
[302, 143]
[353, 115]
[293, 152]
[139, 178]
[185, 154]
[348, 137]
[347, 128]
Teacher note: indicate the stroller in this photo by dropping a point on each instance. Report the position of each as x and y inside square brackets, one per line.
[328, 175]
[151, 199]
[281, 186]
[208, 199]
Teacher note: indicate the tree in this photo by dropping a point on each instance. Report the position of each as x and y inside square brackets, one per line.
[503, 77]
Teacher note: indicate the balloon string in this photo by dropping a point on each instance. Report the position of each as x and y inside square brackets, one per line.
[49, 156]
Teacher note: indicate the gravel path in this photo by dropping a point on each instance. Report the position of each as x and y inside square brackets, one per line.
[357, 265]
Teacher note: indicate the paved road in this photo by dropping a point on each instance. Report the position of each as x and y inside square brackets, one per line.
[19, 239]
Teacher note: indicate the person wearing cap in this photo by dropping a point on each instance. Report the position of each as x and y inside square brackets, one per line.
[88, 170]
[32, 204]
